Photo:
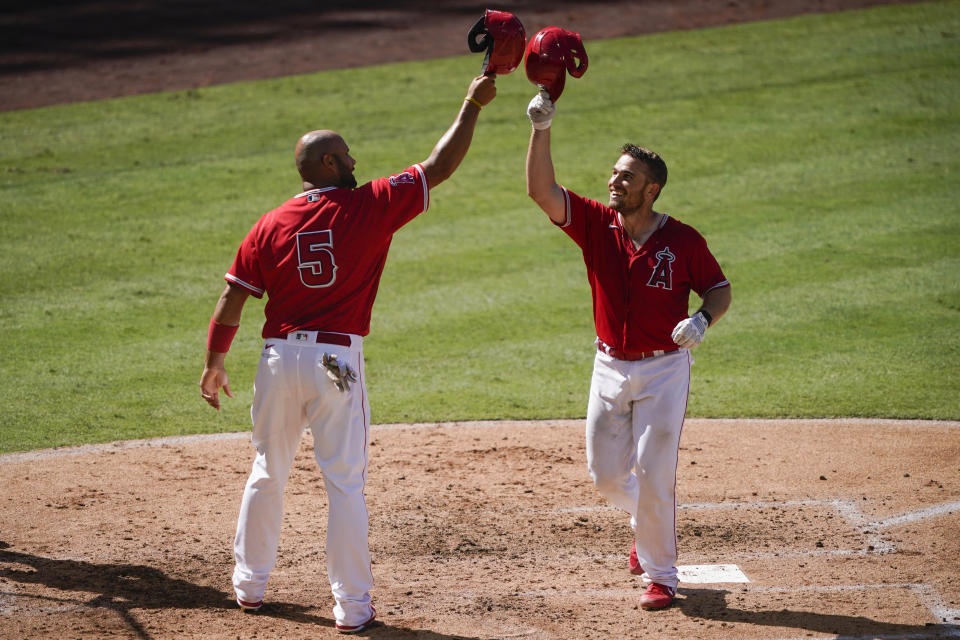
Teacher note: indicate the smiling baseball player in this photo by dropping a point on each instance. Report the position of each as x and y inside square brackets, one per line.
[642, 265]
[318, 258]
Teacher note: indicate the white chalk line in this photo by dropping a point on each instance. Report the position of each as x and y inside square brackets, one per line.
[813, 553]
[848, 509]
[923, 514]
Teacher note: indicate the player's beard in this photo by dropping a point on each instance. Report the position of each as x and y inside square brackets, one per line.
[621, 205]
[630, 201]
[347, 179]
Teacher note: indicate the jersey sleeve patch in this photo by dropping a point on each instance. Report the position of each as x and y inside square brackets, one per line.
[411, 177]
[402, 178]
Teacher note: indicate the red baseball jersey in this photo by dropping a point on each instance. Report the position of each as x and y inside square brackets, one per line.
[320, 255]
[639, 295]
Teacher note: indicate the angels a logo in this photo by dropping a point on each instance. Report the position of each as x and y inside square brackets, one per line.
[662, 275]
[401, 178]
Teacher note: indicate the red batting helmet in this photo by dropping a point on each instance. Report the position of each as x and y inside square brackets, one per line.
[552, 52]
[501, 35]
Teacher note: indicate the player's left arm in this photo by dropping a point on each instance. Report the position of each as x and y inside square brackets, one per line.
[716, 302]
[223, 326]
[452, 147]
[689, 333]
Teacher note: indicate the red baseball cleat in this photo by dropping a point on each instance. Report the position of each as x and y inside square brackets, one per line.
[342, 628]
[657, 596]
[635, 567]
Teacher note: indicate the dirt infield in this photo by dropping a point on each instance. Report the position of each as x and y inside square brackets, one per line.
[493, 530]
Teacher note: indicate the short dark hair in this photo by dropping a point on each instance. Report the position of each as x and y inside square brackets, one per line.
[656, 167]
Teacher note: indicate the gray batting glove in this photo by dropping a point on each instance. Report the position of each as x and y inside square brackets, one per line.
[339, 372]
[541, 110]
[688, 333]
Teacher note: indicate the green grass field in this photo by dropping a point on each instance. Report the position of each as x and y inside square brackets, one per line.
[818, 155]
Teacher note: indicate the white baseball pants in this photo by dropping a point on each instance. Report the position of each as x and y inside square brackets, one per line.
[292, 392]
[634, 418]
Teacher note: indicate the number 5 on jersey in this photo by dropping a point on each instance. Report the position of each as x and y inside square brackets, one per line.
[315, 258]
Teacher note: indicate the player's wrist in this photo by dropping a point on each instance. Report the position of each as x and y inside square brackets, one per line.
[473, 100]
[706, 316]
[220, 336]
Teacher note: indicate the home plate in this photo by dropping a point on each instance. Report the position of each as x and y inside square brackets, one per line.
[710, 573]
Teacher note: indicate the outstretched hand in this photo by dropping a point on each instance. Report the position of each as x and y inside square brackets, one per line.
[541, 110]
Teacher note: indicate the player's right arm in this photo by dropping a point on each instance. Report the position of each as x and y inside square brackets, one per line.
[452, 147]
[542, 184]
[226, 318]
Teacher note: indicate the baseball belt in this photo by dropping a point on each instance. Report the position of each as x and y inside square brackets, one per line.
[637, 355]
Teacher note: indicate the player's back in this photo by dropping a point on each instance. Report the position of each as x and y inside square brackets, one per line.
[327, 254]
[319, 256]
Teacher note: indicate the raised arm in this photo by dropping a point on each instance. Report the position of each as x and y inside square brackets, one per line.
[542, 185]
[452, 147]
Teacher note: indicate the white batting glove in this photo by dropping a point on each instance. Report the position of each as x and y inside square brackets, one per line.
[688, 333]
[339, 372]
[541, 110]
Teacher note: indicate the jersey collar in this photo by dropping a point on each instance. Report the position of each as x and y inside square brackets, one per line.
[663, 222]
[320, 190]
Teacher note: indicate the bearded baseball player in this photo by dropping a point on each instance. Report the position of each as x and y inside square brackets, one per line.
[642, 265]
[318, 257]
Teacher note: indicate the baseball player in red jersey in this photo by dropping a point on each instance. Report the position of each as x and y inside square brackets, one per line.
[642, 266]
[318, 257]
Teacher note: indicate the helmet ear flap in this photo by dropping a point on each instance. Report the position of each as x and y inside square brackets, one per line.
[479, 38]
[577, 52]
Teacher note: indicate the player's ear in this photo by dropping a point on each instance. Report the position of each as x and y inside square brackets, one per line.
[653, 190]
